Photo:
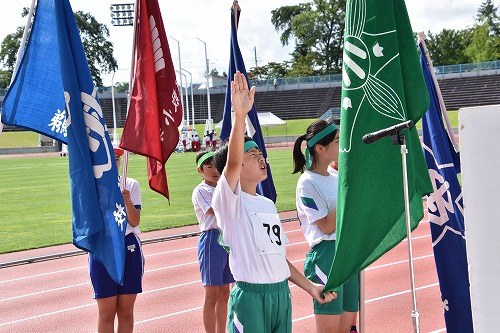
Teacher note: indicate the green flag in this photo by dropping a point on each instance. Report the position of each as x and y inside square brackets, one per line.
[382, 86]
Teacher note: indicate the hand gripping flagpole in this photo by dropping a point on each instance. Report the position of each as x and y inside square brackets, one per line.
[400, 139]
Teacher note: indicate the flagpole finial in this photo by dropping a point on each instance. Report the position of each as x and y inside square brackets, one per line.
[236, 9]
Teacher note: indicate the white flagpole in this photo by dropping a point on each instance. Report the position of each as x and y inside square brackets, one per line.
[20, 52]
[362, 307]
[130, 83]
[444, 112]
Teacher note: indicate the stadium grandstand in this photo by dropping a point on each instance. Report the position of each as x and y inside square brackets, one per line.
[310, 97]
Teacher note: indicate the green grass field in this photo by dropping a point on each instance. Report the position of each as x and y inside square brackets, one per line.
[36, 208]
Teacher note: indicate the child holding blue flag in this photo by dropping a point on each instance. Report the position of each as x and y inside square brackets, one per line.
[214, 259]
[316, 198]
[114, 300]
[260, 302]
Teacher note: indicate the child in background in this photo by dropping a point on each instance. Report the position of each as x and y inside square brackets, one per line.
[207, 140]
[261, 300]
[214, 261]
[214, 140]
[114, 300]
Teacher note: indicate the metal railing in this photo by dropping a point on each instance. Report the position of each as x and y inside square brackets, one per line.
[442, 72]
[68, 254]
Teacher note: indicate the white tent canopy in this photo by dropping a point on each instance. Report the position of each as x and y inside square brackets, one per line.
[266, 119]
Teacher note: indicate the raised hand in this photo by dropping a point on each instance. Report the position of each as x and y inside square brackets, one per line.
[242, 97]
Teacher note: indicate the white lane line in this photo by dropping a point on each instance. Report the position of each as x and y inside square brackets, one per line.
[191, 309]
[438, 331]
[87, 282]
[43, 292]
[44, 274]
[47, 314]
[169, 267]
[90, 304]
[398, 262]
[401, 293]
[172, 251]
[382, 298]
[166, 316]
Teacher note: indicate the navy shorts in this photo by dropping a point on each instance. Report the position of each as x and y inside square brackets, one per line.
[214, 260]
[104, 286]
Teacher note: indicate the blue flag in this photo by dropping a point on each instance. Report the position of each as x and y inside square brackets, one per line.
[445, 208]
[53, 94]
[253, 130]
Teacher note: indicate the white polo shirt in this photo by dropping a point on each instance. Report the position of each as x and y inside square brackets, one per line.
[252, 229]
[316, 196]
[202, 202]
[135, 196]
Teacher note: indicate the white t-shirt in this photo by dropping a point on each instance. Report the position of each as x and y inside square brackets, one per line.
[135, 195]
[252, 229]
[202, 202]
[183, 136]
[316, 196]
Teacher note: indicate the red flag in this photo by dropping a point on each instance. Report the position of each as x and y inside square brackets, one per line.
[155, 112]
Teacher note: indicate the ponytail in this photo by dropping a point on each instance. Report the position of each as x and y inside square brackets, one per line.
[299, 160]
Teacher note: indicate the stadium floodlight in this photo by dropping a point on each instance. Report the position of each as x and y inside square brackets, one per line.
[122, 14]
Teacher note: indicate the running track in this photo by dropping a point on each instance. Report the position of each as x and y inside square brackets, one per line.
[55, 295]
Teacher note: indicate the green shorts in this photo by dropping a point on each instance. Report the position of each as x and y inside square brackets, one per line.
[317, 267]
[260, 308]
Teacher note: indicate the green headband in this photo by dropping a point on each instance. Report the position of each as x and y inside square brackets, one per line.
[205, 157]
[314, 140]
[249, 145]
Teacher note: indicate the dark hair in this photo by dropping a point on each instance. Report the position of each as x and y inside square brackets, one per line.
[299, 160]
[200, 155]
[220, 157]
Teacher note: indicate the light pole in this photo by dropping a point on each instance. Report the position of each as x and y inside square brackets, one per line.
[122, 14]
[180, 76]
[208, 88]
[115, 135]
[187, 98]
[192, 98]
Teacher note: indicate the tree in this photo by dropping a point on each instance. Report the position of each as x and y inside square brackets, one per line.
[94, 35]
[477, 44]
[318, 29]
[485, 41]
[98, 49]
[270, 71]
[487, 13]
[121, 87]
[448, 46]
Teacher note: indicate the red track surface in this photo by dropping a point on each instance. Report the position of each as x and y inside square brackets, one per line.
[55, 296]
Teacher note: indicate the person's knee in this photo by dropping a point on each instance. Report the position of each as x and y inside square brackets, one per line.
[224, 293]
[211, 295]
[125, 313]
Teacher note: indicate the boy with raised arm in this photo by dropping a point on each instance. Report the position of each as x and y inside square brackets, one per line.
[260, 302]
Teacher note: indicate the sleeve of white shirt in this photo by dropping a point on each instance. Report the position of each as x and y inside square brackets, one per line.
[203, 198]
[310, 204]
[135, 192]
[226, 205]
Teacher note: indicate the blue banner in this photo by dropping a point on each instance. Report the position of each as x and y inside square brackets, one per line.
[445, 208]
[54, 82]
[253, 130]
